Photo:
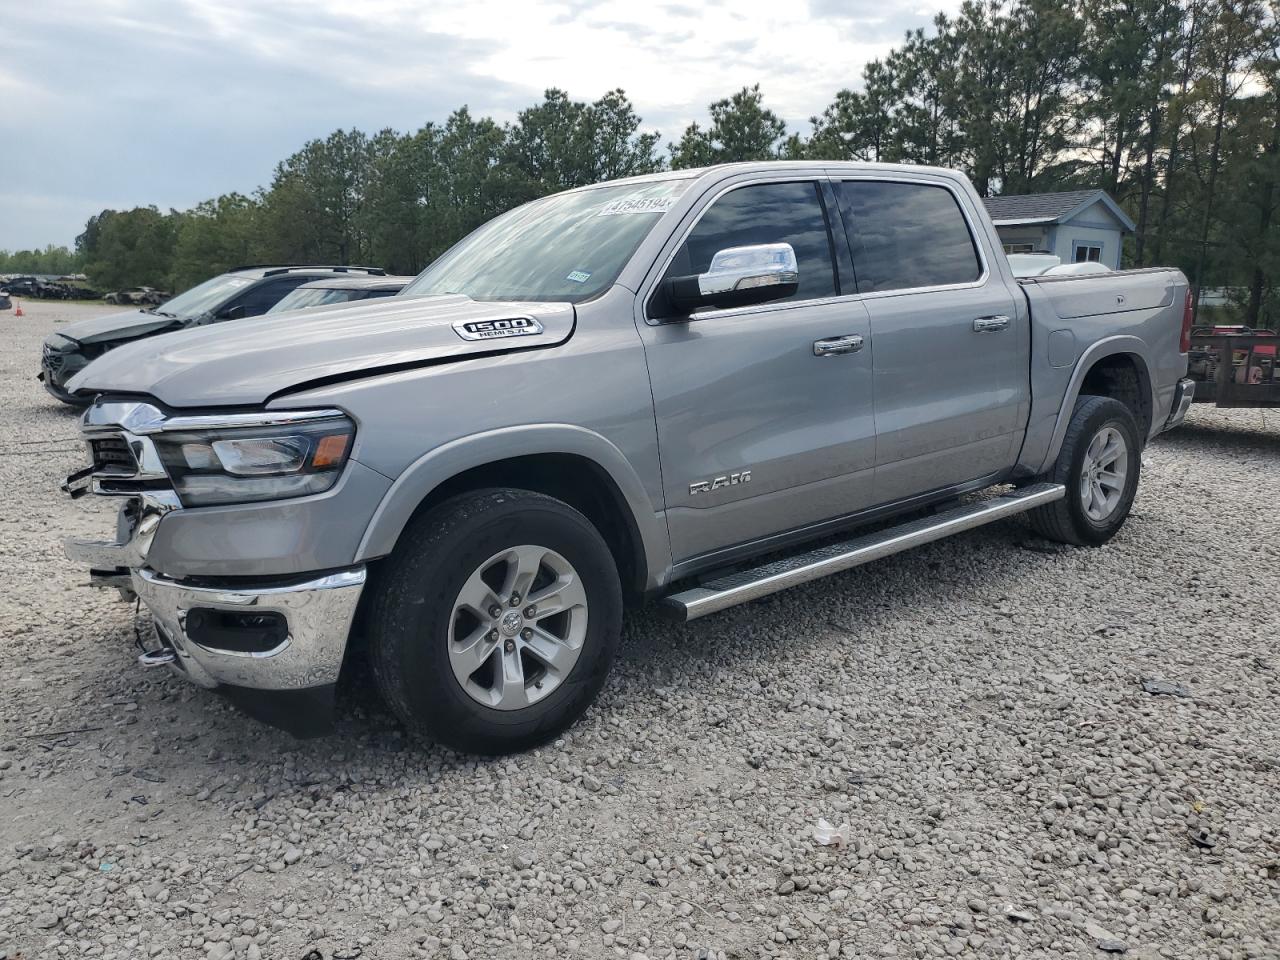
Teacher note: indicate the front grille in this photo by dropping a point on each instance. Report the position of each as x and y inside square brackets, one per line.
[111, 454]
[53, 360]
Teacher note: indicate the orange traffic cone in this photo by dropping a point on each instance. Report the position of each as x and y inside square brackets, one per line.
[17, 309]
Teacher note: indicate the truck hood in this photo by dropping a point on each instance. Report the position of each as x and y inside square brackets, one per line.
[248, 361]
[116, 326]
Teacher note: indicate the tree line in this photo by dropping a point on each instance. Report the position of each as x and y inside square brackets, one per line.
[1173, 106]
[51, 260]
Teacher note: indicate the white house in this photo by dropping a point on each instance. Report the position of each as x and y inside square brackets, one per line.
[1076, 225]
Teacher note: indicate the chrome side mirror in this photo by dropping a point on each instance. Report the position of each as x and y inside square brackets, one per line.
[738, 277]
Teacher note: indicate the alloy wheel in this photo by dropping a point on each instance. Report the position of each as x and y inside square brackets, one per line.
[1103, 474]
[517, 627]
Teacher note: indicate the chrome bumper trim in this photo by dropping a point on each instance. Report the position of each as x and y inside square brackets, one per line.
[143, 419]
[319, 613]
[100, 554]
[1183, 395]
[135, 533]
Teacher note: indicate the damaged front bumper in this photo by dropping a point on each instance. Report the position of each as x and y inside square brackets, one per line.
[274, 645]
[57, 366]
[281, 636]
[274, 648]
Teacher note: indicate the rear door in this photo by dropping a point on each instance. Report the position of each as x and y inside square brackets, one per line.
[760, 433]
[951, 353]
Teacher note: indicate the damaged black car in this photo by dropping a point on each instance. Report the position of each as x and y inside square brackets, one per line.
[247, 291]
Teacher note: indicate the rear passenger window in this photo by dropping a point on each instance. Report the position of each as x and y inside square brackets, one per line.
[765, 213]
[906, 235]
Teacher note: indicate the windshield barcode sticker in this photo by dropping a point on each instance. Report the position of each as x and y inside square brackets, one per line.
[637, 205]
[579, 276]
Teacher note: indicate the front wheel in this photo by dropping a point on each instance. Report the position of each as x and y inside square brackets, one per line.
[496, 620]
[1099, 464]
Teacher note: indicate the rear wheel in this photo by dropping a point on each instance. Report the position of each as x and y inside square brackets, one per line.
[1099, 464]
[496, 621]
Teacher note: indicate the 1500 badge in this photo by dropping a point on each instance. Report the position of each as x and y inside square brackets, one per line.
[497, 329]
[718, 483]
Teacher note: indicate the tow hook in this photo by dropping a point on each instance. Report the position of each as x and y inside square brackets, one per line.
[157, 658]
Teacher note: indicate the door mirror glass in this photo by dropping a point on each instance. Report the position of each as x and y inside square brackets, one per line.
[738, 277]
[232, 313]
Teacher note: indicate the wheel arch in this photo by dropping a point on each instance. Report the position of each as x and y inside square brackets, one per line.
[567, 462]
[1116, 367]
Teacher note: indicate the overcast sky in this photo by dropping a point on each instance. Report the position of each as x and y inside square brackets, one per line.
[117, 103]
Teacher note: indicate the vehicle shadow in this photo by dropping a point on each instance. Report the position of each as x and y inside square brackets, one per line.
[209, 741]
[1264, 438]
[657, 653]
[838, 604]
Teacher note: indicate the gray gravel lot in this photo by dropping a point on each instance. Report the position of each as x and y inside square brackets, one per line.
[973, 711]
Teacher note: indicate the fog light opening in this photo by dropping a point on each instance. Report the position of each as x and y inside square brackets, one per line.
[236, 631]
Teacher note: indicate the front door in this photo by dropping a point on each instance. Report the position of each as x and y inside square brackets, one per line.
[759, 431]
[951, 348]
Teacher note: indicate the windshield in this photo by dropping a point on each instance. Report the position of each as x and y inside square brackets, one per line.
[570, 246]
[204, 297]
[302, 298]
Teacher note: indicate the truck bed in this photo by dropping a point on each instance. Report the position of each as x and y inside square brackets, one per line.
[1135, 312]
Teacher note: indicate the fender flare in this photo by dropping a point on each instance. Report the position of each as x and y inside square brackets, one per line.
[416, 482]
[1100, 350]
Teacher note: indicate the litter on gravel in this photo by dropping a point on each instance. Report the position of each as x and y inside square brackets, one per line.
[1164, 688]
[828, 835]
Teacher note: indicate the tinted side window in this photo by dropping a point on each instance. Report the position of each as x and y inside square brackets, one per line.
[766, 213]
[264, 296]
[906, 235]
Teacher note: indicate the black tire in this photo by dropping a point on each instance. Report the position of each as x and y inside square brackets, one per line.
[1066, 520]
[412, 612]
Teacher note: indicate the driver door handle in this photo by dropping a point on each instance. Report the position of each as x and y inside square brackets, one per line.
[990, 324]
[836, 346]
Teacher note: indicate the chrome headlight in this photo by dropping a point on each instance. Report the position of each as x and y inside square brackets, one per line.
[243, 464]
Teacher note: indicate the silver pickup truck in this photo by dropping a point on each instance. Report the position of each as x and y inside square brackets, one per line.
[694, 387]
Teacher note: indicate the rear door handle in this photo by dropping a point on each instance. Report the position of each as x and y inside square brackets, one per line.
[835, 346]
[990, 324]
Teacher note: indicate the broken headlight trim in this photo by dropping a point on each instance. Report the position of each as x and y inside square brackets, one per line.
[247, 464]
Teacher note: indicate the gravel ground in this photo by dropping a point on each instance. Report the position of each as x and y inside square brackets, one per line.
[973, 711]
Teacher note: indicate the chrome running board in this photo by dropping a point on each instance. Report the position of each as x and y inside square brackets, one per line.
[735, 588]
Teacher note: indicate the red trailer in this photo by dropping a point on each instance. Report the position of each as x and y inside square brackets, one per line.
[1235, 366]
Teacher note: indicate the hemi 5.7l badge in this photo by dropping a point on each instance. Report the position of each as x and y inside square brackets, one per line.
[497, 329]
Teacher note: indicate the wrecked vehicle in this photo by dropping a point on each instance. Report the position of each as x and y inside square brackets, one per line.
[242, 292]
[672, 387]
[38, 288]
[136, 296]
[20, 286]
